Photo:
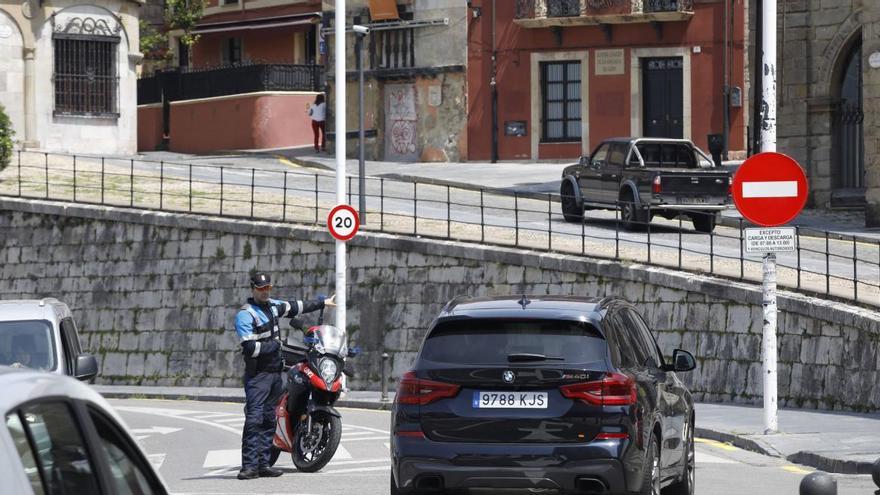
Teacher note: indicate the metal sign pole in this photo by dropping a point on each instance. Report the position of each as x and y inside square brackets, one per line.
[768, 143]
[340, 133]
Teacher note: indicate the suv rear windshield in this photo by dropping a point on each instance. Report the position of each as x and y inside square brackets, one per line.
[493, 341]
[28, 344]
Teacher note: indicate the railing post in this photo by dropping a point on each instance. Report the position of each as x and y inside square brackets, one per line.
[415, 208]
[679, 242]
[712, 251]
[448, 214]
[284, 200]
[19, 173]
[797, 237]
[161, 184]
[482, 219]
[827, 266]
[102, 180]
[131, 183]
[316, 198]
[617, 232]
[253, 175]
[74, 178]
[190, 194]
[549, 222]
[46, 159]
[221, 191]
[742, 272]
[648, 224]
[583, 235]
[855, 271]
[381, 204]
[516, 219]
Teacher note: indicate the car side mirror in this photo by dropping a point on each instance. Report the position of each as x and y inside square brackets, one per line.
[585, 160]
[86, 367]
[683, 361]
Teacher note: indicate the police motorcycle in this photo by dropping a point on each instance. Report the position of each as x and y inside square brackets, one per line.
[307, 425]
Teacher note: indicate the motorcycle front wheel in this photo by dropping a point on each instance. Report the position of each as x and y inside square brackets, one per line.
[313, 449]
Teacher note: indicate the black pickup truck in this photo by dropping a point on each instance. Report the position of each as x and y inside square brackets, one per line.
[644, 177]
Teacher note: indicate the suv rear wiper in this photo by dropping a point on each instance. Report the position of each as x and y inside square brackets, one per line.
[526, 356]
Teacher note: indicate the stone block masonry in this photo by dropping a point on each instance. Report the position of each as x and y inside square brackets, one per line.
[154, 295]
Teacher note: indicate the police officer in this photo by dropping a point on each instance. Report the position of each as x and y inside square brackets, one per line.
[257, 327]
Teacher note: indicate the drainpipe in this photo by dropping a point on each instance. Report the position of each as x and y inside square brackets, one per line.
[726, 90]
[757, 79]
[493, 85]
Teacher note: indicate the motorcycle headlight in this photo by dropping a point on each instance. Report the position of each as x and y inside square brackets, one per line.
[328, 370]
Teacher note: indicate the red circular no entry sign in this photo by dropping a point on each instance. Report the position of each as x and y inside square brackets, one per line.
[769, 189]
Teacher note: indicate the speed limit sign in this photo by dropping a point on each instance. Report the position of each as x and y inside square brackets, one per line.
[343, 222]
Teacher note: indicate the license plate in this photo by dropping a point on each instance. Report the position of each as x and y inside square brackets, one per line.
[691, 201]
[510, 400]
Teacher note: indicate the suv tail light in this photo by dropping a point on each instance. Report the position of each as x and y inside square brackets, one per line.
[615, 389]
[656, 186]
[414, 390]
[729, 185]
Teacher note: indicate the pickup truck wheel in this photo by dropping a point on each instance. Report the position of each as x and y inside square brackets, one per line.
[704, 222]
[572, 209]
[633, 217]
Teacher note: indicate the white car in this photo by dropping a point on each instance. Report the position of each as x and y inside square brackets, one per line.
[59, 436]
[41, 334]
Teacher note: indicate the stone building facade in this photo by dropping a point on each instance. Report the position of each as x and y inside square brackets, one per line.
[67, 74]
[828, 84]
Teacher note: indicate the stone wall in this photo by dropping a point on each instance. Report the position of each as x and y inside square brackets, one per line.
[155, 294]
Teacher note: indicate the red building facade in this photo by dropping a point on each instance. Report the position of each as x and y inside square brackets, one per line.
[570, 73]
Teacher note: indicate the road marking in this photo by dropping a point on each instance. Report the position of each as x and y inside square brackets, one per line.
[716, 444]
[156, 460]
[770, 189]
[231, 420]
[797, 470]
[177, 414]
[231, 458]
[703, 458]
[218, 415]
[349, 433]
[360, 439]
[356, 470]
[154, 429]
[334, 462]
[287, 162]
[366, 428]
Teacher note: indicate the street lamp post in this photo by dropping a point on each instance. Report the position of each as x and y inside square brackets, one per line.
[360, 33]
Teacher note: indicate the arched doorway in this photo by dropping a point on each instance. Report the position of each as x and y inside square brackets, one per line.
[849, 181]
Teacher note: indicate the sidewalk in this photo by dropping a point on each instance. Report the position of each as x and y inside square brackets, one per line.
[834, 442]
[540, 179]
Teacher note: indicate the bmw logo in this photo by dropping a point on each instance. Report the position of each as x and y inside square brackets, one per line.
[508, 376]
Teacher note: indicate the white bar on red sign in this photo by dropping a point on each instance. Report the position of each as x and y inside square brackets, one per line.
[772, 189]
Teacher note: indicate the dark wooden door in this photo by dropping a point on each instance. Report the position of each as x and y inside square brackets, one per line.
[663, 100]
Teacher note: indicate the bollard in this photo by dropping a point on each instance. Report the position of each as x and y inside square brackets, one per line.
[384, 377]
[818, 483]
[875, 473]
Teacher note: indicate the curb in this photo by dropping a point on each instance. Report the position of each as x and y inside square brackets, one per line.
[803, 458]
[350, 403]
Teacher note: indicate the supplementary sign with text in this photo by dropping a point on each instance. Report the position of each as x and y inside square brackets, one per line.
[770, 240]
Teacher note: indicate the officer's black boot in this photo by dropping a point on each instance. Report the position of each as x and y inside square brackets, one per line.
[267, 472]
[248, 473]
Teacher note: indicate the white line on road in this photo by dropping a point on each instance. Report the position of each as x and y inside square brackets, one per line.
[360, 439]
[176, 414]
[770, 189]
[356, 470]
[156, 460]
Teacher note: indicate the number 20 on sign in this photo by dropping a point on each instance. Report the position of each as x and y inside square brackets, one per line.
[343, 222]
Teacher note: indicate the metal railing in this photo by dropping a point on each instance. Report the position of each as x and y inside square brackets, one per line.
[195, 83]
[843, 267]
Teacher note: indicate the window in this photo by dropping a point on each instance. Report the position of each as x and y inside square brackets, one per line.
[230, 2]
[27, 343]
[492, 341]
[561, 101]
[61, 454]
[617, 155]
[231, 51]
[646, 348]
[600, 155]
[130, 475]
[25, 453]
[86, 77]
[70, 344]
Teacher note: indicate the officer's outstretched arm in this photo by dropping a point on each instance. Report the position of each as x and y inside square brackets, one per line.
[307, 306]
[254, 348]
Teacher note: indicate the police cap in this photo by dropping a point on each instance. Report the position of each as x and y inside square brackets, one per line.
[260, 279]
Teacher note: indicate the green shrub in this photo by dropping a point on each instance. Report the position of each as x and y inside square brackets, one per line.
[6, 134]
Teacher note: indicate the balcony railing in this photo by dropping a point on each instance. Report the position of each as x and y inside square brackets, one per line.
[543, 13]
[195, 83]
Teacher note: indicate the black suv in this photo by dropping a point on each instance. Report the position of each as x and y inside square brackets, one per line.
[549, 392]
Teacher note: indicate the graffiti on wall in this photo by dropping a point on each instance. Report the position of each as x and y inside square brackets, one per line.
[400, 122]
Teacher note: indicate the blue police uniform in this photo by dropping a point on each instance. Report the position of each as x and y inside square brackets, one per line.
[257, 328]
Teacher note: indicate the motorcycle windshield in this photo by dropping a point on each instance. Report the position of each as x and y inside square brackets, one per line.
[333, 340]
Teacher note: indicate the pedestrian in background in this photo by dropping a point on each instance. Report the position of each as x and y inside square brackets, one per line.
[257, 327]
[318, 113]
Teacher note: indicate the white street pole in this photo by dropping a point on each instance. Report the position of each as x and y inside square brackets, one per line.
[340, 131]
[768, 143]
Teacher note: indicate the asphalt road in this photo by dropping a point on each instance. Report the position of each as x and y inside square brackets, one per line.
[196, 446]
